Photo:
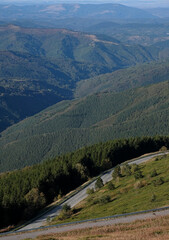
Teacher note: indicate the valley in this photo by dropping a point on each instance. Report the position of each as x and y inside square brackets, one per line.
[83, 88]
[43, 66]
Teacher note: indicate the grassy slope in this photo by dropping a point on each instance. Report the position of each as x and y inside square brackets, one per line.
[126, 197]
[70, 125]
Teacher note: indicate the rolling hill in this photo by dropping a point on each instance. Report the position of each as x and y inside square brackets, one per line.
[62, 43]
[123, 79]
[42, 66]
[70, 125]
[131, 31]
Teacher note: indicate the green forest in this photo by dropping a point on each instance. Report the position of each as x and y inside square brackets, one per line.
[83, 88]
[124, 79]
[24, 192]
[70, 125]
[43, 66]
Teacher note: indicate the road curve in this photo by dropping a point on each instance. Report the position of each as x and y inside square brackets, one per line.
[78, 197]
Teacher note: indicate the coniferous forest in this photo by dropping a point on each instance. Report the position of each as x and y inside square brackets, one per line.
[83, 87]
[24, 192]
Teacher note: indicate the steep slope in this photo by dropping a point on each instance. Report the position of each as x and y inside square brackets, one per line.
[123, 79]
[69, 125]
[145, 192]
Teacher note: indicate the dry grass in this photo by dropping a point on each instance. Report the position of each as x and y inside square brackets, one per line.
[151, 229]
[7, 229]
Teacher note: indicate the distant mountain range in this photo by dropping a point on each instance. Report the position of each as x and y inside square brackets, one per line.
[35, 11]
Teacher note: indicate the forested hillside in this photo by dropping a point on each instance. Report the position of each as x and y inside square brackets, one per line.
[144, 32]
[29, 84]
[40, 67]
[70, 125]
[123, 79]
[71, 77]
[79, 46]
[24, 192]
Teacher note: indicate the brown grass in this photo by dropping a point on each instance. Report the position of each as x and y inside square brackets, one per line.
[7, 229]
[150, 229]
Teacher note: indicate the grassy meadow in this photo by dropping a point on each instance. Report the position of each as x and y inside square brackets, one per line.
[129, 193]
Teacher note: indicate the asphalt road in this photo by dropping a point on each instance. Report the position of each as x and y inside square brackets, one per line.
[78, 197]
[128, 219]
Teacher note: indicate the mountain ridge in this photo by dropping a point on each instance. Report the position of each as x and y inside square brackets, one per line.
[107, 10]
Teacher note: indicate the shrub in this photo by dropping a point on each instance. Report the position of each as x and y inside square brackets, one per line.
[125, 170]
[158, 181]
[99, 200]
[153, 197]
[117, 172]
[134, 168]
[139, 184]
[90, 191]
[66, 207]
[153, 173]
[163, 149]
[99, 183]
[110, 186]
[138, 174]
[123, 190]
[66, 212]
[104, 199]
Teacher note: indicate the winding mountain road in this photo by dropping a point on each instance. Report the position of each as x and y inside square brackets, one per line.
[72, 201]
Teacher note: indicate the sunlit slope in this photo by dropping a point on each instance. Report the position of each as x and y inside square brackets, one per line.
[72, 124]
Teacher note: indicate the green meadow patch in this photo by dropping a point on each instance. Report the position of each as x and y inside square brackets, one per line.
[129, 194]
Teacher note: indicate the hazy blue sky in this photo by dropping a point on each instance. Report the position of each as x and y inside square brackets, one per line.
[138, 3]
